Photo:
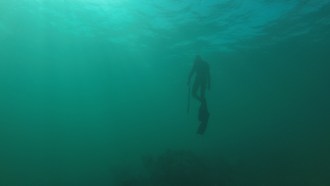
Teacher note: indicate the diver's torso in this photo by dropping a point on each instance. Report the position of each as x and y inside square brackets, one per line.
[202, 71]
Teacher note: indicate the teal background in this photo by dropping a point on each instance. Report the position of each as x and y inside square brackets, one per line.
[91, 87]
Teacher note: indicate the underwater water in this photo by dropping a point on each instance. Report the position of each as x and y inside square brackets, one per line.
[94, 92]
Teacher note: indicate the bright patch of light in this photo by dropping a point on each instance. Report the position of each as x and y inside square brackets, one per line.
[105, 2]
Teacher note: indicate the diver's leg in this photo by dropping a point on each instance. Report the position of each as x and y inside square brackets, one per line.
[202, 128]
[203, 89]
[203, 117]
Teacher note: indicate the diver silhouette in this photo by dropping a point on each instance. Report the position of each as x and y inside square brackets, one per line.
[202, 80]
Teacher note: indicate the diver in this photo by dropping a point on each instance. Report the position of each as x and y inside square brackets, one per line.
[201, 70]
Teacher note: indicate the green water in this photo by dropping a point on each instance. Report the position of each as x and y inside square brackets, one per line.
[95, 93]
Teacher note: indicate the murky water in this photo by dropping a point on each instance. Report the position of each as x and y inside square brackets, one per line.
[95, 92]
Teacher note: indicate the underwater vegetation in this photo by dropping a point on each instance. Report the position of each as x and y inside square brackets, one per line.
[187, 168]
[176, 168]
